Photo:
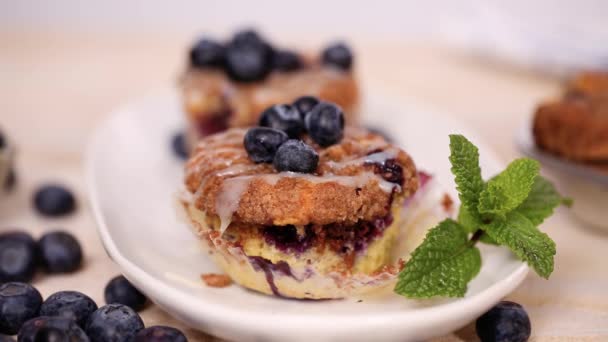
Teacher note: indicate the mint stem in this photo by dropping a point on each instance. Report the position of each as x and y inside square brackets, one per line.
[476, 236]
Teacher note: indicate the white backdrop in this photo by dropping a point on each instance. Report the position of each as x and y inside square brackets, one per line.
[556, 35]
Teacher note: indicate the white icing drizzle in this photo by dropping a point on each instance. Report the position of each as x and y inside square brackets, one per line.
[214, 153]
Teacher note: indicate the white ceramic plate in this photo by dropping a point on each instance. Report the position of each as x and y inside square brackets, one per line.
[133, 177]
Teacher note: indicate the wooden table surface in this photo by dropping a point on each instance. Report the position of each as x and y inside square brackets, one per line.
[55, 88]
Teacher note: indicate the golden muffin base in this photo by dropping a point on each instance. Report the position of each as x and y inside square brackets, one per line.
[312, 275]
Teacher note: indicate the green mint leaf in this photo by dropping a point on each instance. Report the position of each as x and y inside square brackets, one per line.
[442, 265]
[541, 201]
[510, 188]
[525, 240]
[464, 157]
[470, 224]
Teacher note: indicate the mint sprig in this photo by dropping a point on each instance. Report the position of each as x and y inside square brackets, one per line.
[505, 210]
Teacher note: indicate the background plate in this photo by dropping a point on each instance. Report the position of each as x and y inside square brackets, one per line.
[133, 177]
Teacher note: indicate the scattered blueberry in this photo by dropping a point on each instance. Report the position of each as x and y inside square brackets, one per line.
[295, 155]
[325, 124]
[18, 303]
[5, 338]
[51, 329]
[285, 60]
[305, 104]
[114, 322]
[262, 143]
[120, 291]
[506, 322]
[207, 53]
[60, 252]
[159, 333]
[69, 304]
[54, 200]
[178, 143]
[18, 257]
[248, 63]
[284, 118]
[338, 55]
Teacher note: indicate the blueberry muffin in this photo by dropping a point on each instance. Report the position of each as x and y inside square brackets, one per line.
[575, 126]
[228, 84]
[313, 214]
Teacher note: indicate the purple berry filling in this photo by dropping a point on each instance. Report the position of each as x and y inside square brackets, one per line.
[389, 169]
[218, 122]
[265, 265]
[341, 238]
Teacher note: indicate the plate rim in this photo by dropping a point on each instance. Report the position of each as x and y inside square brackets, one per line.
[215, 313]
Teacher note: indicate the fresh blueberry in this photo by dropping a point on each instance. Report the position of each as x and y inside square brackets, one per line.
[5, 338]
[284, 118]
[285, 60]
[249, 37]
[207, 53]
[54, 200]
[60, 252]
[248, 62]
[325, 124]
[18, 303]
[159, 333]
[69, 304]
[262, 143]
[18, 257]
[119, 290]
[296, 156]
[338, 55]
[305, 104]
[114, 322]
[51, 329]
[506, 322]
[178, 143]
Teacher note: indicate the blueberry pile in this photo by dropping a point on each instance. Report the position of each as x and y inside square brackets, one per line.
[54, 200]
[21, 255]
[74, 316]
[506, 322]
[277, 141]
[248, 57]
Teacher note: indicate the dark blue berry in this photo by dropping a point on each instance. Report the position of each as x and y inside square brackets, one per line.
[60, 252]
[19, 302]
[120, 291]
[159, 333]
[51, 329]
[207, 53]
[506, 322]
[248, 63]
[296, 156]
[179, 145]
[325, 124]
[338, 55]
[284, 118]
[114, 322]
[69, 304]
[18, 257]
[54, 200]
[284, 60]
[305, 104]
[246, 37]
[5, 338]
[262, 143]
